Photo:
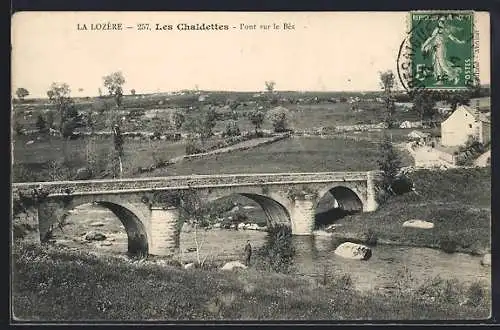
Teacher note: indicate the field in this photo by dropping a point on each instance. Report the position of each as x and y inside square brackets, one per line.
[457, 201]
[31, 162]
[292, 155]
[60, 285]
[34, 156]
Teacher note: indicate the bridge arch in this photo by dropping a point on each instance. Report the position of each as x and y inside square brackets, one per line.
[275, 207]
[335, 203]
[135, 222]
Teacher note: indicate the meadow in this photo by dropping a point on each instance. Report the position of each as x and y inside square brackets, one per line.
[457, 201]
[53, 284]
[308, 154]
[33, 153]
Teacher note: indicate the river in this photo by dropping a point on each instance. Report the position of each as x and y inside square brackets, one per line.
[314, 254]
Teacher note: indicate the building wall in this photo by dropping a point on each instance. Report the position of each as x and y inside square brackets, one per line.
[456, 129]
[485, 132]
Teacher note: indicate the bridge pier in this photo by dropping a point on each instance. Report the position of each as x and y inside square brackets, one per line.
[163, 230]
[370, 204]
[303, 215]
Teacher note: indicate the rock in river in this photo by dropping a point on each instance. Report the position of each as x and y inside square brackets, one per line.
[95, 236]
[233, 264]
[354, 251]
[421, 224]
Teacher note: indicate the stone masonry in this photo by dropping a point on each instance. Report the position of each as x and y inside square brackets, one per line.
[130, 200]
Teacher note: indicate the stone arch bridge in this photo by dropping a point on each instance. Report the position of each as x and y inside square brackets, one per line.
[284, 197]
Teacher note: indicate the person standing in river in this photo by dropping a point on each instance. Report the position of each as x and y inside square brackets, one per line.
[248, 253]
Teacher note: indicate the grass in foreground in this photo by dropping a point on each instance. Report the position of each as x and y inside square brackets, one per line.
[51, 284]
[457, 202]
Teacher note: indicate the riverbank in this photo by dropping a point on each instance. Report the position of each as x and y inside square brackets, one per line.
[56, 284]
[456, 201]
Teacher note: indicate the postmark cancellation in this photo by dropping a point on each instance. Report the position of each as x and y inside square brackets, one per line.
[439, 51]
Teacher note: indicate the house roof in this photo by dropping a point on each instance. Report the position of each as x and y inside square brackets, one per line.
[475, 113]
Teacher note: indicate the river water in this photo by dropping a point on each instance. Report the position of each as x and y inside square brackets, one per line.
[314, 254]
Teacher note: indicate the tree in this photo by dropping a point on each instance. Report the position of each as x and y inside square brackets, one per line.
[257, 119]
[424, 104]
[114, 84]
[50, 119]
[387, 81]
[270, 86]
[202, 126]
[161, 125]
[279, 118]
[59, 94]
[90, 121]
[118, 144]
[132, 91]
[41, 124]
[389, 163]
[21, 93]
[178, 119]
[456, 98]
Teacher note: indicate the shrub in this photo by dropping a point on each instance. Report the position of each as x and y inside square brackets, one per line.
[344, 282]
[18, 128]
[68, 128]
[370, 237]
[192, 147]
[389, 163]
[232, 129]
[41, 123]
[136, 113]
[239, 217]
[448, 245]
[279, 119]
[278, 250]
[475, 293]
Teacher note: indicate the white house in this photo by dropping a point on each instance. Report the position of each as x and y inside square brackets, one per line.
[465, 121]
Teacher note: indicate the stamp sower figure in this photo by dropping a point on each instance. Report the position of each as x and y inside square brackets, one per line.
[248, 253]
[436, 45]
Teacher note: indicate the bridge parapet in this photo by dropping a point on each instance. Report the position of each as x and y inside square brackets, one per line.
[58, 188]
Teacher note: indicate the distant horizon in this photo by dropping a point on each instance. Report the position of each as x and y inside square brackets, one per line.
[325, 52]
[229, 91]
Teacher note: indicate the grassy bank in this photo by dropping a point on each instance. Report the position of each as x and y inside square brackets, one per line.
[290, 155]
[457, 202]
[54, 284]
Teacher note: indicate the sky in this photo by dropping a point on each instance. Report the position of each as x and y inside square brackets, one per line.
[326, 51]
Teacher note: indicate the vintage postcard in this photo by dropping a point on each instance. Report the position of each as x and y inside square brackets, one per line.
[175, 166]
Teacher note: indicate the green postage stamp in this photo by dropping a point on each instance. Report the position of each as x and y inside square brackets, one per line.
[442, 50]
